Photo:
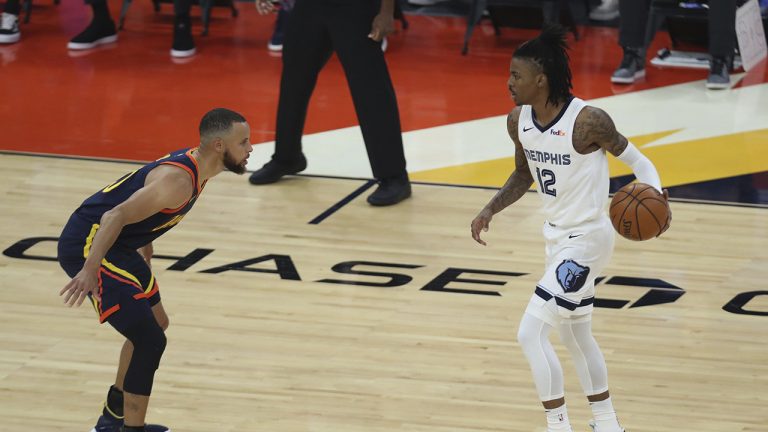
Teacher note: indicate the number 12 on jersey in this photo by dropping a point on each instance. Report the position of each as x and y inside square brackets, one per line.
[546, 181]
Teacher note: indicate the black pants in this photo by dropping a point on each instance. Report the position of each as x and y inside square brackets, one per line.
[722, 25]
[317, 28]
[12, 7]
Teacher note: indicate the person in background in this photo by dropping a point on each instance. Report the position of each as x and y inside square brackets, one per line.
[722, 41]
[354, 29]
[102, 29]
[275, 43]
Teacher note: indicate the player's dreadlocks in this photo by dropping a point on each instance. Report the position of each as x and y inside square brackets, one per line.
[549, 52]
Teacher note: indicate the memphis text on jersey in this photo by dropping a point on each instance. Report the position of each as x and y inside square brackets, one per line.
[547, 157]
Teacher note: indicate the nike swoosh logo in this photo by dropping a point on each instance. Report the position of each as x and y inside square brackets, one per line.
[574, 235]
[526, 130]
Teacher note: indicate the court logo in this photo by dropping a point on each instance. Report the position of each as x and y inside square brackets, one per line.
[571, 275]
[458, 280]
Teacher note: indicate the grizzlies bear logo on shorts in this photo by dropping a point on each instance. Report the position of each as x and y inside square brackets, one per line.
[571, 275]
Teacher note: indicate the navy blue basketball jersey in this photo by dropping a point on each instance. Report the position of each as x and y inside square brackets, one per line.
[143, 232]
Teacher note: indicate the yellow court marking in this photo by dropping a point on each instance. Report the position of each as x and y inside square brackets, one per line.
[678, 163]
[487, 173]
[641, 140]
[706, 159]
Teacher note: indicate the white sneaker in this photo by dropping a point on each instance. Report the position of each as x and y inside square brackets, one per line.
[595, 429]
[9, 28]
[607, 11]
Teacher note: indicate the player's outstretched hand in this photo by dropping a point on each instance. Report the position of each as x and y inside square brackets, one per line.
[481, 223]
[79, 287]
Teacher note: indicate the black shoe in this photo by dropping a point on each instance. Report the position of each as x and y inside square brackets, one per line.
[390, 191]
[98, 32]
[156, 428]
[718, 78]
[150, 428]
[273, 170]
[108, 423]
[183, 44]
[632, 67]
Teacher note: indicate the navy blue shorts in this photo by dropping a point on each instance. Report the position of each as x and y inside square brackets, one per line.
[127, 287]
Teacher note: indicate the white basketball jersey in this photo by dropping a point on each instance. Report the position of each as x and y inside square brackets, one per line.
[573, 187]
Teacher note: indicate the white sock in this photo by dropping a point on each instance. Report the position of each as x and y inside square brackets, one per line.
[605, 416]
[557, 420]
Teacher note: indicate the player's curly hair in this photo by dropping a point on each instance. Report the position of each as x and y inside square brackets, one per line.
[549, 51]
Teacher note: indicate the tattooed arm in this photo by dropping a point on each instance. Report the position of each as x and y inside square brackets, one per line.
[594, 129]
[520, 180]
[517, 184]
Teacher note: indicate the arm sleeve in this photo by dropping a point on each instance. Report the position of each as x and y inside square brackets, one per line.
[641, 166]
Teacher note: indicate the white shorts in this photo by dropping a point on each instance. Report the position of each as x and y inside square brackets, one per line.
[576, 256]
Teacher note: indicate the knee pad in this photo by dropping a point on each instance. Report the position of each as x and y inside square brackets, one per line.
[526, 337]
[577, 335]
[532, 333]
[149, 342]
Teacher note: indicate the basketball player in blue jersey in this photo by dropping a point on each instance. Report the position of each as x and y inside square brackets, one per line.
[561, 144]
[106, 249]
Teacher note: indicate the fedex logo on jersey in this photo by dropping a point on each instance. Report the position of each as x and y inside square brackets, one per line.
[557, 132]
[546, 157]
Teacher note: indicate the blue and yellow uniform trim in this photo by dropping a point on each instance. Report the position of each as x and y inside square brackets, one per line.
[126, 282]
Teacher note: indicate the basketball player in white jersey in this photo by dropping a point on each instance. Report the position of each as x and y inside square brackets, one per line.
[561, 144]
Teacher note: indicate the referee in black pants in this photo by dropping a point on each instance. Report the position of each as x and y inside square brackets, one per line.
[353, 29]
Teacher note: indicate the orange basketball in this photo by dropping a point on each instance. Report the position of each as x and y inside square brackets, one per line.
[639, 212]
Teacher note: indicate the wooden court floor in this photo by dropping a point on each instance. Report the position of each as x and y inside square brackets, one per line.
[272, 330]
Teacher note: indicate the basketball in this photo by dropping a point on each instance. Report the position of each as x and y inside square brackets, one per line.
[639, 212]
